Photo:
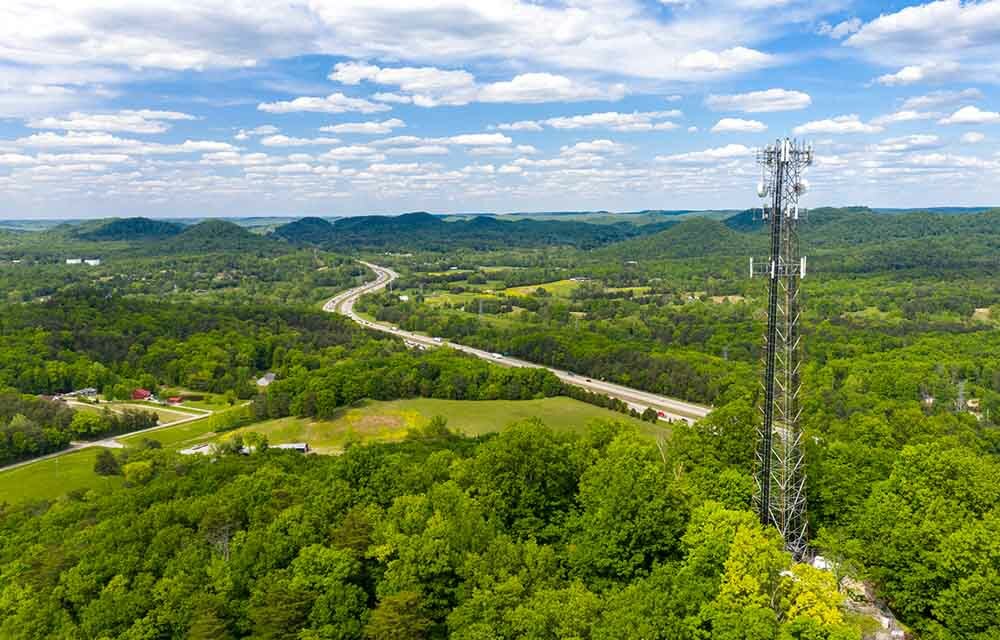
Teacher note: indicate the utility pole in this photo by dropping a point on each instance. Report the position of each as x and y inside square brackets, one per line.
[780, 475]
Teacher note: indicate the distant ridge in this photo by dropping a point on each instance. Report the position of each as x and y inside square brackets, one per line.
[687, 238]
[219, 235]
[422, 230]
[133, 229]
[309, 230]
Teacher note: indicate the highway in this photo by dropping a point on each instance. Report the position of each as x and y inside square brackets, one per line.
[668, 408]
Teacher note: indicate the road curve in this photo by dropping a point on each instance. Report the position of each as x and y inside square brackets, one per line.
[112, 442]
[669, 408]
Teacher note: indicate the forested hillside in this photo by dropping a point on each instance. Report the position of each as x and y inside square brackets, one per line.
[423, 231]
[526, 535]
[593, 531]
[133, 229]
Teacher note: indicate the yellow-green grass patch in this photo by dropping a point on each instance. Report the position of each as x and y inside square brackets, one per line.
[637, 291]
[558, 288]
[982, 314]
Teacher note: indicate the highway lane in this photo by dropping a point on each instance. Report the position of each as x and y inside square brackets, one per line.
[669, 408]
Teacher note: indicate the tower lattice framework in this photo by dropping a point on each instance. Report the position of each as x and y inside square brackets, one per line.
[780, 474]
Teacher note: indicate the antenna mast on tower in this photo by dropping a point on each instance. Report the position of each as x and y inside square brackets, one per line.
[780, 476]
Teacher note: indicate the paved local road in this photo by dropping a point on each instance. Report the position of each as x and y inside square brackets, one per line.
[112, 442]
[670, 408]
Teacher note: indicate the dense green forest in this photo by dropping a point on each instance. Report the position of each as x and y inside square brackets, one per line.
[528, 533]
[525, 535]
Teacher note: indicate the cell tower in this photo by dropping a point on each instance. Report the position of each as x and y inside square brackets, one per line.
[780, 476]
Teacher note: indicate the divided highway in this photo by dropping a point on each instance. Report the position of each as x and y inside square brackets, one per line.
[669, 408]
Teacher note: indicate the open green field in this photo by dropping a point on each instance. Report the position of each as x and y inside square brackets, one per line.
[175, 436]
[368, 421]
[390, 421]
[164, 414]
[53, 477]
[210, 401]
[562, 288]
[447, 297]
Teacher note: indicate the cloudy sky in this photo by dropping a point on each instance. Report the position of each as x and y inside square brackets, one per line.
[341, 107]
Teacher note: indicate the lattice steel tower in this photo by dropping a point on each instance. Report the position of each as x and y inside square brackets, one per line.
[780, 476]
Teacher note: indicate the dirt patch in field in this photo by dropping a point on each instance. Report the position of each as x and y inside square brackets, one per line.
[377, 423]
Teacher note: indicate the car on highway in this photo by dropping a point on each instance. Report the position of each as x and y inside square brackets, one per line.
[437, 340]
[498, 356]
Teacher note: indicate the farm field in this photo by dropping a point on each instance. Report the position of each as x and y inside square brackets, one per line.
[560, 288]
[369, 421]
[389, 421]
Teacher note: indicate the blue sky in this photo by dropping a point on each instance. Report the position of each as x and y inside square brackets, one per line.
[345, 107]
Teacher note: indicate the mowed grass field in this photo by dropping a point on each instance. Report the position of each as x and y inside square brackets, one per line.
[390, 421]
[54, 477]
[368, 421]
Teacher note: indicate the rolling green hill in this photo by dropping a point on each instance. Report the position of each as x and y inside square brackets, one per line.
[314, 231]
[421, 230]
[133, 229]
[218, 235]
[685, 239]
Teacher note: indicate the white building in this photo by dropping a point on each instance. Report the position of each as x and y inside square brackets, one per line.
[198, 449]
[302, 447]
[74, 260]
[93, 262]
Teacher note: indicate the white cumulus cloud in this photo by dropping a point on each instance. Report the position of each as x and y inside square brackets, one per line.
[728, 152]
[333, 103]
[840, 124]
[286, 141]
[971, 115]
[372, 128]
[738, 125]
[132, 121]
[760, 101]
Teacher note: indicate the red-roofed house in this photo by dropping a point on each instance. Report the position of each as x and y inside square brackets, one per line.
[141, 394]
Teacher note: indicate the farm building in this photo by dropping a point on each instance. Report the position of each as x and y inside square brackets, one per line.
[265, 380]
[302, 447]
